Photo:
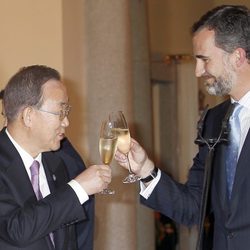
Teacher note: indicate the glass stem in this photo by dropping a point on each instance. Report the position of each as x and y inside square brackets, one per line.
[129, 166]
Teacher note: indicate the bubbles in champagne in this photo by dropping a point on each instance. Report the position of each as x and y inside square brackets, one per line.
[107, 148]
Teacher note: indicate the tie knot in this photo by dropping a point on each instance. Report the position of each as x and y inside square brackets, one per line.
[34, 168]
[237, 109]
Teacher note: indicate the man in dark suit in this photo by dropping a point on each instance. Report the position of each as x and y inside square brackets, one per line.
[75, 165]
[221, 43]
[39, 209]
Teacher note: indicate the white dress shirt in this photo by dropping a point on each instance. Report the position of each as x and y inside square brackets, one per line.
[146, 191]
[244, 117]
[43, 183]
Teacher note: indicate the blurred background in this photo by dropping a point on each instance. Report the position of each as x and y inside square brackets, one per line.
[130, 55]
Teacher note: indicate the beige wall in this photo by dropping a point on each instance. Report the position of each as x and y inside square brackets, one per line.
[31, 33]
[75, 71]
[170, 23]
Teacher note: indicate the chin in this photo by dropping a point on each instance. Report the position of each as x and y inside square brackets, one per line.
[55, 147]
[210, 89]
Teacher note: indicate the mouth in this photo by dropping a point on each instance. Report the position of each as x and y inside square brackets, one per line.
[209, 80]
[61, 136]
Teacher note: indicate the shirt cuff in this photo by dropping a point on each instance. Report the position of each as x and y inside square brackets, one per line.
[80, 192]
[146, 191]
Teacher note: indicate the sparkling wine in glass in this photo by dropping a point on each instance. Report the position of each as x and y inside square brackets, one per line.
[123, 144]
[107, 146]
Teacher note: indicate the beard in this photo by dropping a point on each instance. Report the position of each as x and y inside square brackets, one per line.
[222, 85]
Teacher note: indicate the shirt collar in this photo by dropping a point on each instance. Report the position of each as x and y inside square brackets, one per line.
[244, 101]
[26, 157]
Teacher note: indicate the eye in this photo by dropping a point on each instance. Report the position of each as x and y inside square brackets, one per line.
[205, 59]
[64, 111]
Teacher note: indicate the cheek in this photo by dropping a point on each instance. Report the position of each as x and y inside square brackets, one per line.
[47, 129]
[212, 69]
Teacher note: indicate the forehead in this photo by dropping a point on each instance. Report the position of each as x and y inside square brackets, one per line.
[204, 41]
[54, 91]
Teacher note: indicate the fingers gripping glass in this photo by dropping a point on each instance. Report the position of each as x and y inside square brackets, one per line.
[64, 112]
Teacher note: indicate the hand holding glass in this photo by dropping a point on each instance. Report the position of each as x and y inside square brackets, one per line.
[107, 146]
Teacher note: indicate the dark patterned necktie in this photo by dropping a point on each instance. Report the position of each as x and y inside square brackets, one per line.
[34, 170]
[233, 147]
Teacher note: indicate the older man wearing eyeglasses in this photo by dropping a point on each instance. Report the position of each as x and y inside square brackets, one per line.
[40, 207]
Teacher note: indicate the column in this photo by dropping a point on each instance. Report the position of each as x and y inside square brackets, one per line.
[109, 88]
[142, 122]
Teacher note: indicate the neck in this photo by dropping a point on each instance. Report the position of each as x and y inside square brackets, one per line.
[21, 137]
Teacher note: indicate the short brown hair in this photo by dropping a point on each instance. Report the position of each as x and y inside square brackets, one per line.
[231, 25]
[25, 88]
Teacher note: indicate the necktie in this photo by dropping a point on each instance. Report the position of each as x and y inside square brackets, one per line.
[34, 170]
[233, 147]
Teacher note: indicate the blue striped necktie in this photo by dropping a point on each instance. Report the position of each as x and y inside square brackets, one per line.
[233, 147]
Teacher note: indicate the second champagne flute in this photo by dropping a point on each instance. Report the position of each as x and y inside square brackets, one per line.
[107, 147]
[123, 143]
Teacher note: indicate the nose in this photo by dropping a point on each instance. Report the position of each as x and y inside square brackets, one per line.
[65, 122]
[199, 68]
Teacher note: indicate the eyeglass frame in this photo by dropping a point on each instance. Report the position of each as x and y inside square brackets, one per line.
[64, 112]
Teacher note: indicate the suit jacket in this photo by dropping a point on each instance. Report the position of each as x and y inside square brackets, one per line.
[25, 222]
[75, 165]
[181, 202]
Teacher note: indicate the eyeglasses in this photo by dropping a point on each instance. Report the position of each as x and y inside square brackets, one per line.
[64, 112]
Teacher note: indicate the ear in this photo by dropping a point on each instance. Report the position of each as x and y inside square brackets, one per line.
[240, 56]
[27, 116]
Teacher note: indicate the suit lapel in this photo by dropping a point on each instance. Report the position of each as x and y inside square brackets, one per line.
[218, 169]
[16, 172]
[14, 168]
[55, 170]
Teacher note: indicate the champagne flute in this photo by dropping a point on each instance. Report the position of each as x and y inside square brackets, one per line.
[107, 147]
[124, 140]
